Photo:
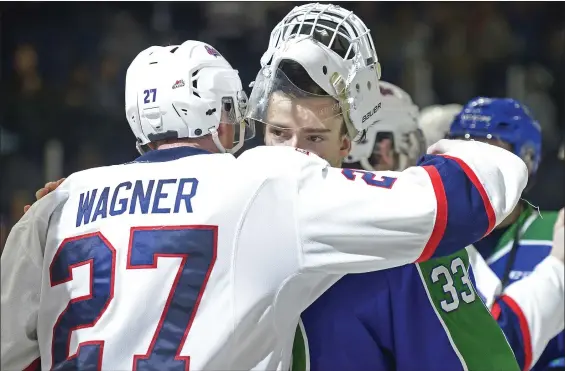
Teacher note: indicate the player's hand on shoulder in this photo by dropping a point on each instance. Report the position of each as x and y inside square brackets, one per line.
[558, 249]
[45, 190]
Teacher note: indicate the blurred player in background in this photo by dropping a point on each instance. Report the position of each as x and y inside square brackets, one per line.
[527, 329]
[529, 311]
[435, 121]
[190, 258]
[397, 141]
[418, 317]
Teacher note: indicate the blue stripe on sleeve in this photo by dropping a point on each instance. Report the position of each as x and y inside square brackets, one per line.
[467, 218]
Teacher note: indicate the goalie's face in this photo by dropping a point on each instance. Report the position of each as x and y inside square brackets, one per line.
[314, 124]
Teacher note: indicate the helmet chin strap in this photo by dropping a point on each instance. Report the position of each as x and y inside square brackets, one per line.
[140, 149]
[215, 138]
[218, 143]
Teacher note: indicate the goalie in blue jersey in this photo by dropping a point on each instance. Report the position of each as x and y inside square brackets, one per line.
[418, 317]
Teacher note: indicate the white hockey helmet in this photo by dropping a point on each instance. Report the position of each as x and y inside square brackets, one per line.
[435, 121]
[184, 91]
[398, 122]
[350, 77]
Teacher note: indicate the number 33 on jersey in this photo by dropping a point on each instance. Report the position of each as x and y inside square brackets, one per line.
[448, 284]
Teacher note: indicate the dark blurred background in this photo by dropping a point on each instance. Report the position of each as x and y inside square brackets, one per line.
[63, 70]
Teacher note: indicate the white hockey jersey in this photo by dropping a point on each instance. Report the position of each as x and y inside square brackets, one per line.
[187, 260]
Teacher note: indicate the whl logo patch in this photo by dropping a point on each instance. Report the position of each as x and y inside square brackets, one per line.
[178, 84]
[302, 151]
[212, 51]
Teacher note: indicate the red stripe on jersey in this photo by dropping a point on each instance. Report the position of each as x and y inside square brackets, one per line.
[524, 328]
[34, 366]
[440, 222]
[496, 311]
[484, 196]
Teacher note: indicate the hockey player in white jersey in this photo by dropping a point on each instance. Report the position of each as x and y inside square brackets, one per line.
[188, 258]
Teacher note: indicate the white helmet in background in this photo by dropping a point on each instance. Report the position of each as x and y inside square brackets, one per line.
[395, 142]
[350, 77]
[184, 91]
[436, 120]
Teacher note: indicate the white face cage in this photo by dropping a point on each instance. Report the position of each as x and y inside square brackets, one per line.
[337, 21]
[345, 43]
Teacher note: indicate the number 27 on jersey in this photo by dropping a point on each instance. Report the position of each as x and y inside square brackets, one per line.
[194, 245]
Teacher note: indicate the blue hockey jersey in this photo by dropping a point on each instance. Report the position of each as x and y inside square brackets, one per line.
[408, 318]
[418, 317]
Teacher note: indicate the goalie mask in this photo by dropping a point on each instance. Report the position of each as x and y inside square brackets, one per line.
[335, 48]
[395, 142]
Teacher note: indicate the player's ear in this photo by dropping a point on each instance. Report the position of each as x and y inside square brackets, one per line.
[345, 146]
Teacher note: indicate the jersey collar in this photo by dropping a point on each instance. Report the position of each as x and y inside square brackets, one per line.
[170, 154]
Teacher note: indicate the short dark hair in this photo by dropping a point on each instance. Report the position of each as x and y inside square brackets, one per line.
[300, 77]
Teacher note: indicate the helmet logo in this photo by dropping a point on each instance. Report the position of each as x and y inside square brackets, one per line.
[371, 113]
[386, 91]
[212, 51]
[302, 151]
[178, 84]
[471, 117]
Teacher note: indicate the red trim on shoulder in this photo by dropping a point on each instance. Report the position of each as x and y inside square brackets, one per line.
[477, 183]
[441, 215]
[34, 366]
[495, 311]
[524, 329]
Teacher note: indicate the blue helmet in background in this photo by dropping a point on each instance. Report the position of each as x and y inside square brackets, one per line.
[504, 119]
